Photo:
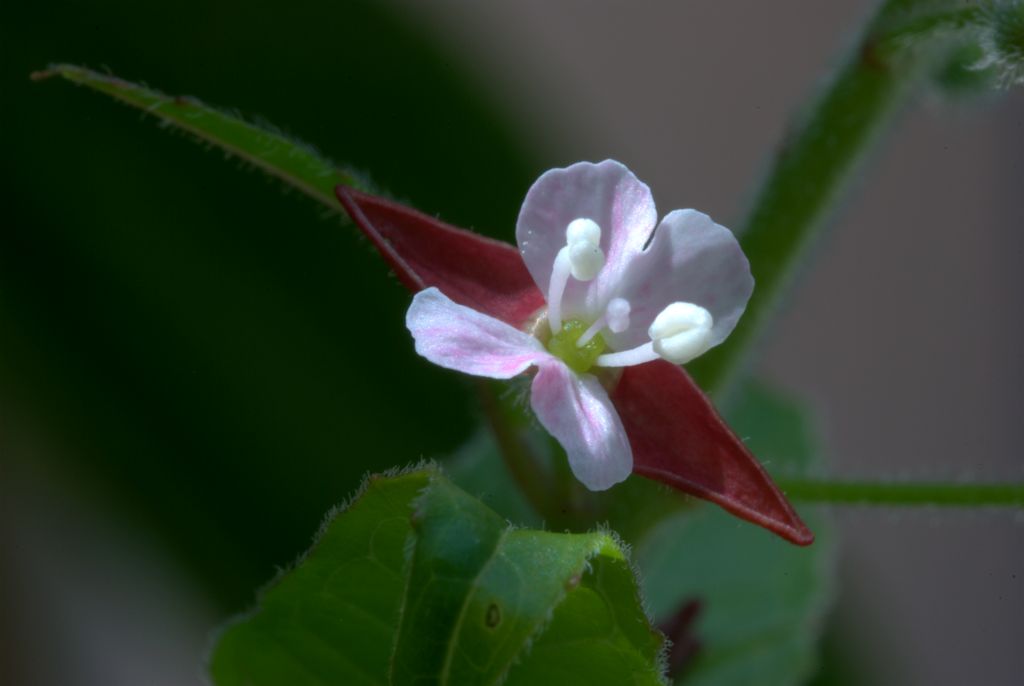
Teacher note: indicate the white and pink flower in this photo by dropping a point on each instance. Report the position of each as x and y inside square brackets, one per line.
[619, 293]
[604, 307]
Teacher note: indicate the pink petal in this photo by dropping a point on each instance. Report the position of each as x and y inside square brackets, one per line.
[457, 337]
[484, 274]
[679, 439]
[575, 409]
[606, 192]
[691, 259]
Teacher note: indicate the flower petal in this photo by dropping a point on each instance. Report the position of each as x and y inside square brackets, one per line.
[484, 274]
[691, 259]
[607, 193]
[575, 409]
[679, 439]
[457, 337]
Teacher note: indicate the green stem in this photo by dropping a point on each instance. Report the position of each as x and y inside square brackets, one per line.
[905, 494]
[817, 158]
[526, 468]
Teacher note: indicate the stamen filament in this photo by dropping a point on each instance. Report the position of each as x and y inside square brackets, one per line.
[628, 358]
[556, 288]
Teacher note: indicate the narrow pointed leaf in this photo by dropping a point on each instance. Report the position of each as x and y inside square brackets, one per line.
[763, 602]
[293, 162]
[679, 439]
[417, 582]
[472, 270]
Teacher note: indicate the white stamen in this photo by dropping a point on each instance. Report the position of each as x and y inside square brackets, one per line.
[583, 229]
[681, 332]
[586, 259]
[556, 288]
[617, 314]
[581, 257]
[615, 317]
[628, 358]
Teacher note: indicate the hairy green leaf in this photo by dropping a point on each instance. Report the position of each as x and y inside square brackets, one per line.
[294, 162]
[418, 582]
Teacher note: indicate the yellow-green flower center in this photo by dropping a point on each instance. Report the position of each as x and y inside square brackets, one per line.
[579, 358]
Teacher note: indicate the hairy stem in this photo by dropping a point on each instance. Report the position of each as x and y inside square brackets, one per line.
[819, 153]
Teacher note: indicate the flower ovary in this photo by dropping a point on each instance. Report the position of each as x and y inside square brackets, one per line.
[579, 358]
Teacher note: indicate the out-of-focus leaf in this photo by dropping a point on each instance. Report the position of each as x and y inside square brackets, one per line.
[418, 582]
[478, 468]
[763, 601]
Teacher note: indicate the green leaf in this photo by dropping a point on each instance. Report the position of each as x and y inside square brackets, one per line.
[332, 618]
[294, 162]
[763, 601]
[418, 582]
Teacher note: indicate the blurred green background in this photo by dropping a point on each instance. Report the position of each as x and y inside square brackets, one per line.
[190, 342]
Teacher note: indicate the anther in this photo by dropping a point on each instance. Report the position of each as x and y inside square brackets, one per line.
[582, 229]
[681, 332]
[581, 258]
[586, 259]
[617, 314]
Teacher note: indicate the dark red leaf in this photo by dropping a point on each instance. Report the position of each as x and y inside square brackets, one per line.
[484, 274]
[679, 439]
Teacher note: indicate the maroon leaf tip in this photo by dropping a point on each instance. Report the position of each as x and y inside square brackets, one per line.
[472, 270]
[680, 440]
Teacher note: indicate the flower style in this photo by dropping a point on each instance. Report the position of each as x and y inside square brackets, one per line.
[605, 308]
